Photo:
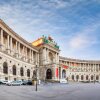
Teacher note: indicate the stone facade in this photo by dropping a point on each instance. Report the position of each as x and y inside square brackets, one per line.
[80, 70]
[18, 60]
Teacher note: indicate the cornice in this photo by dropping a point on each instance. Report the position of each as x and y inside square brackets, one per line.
[79, 60]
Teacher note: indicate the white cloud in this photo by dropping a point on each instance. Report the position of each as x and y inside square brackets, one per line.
[80, 41]
[59, 4]
[85, 38]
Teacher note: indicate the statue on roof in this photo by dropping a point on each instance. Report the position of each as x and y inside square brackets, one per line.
[50, 38]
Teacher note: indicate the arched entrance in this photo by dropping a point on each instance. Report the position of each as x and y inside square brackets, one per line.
[14, 70]
[87, 77]
[77, 77]
[92, 77]
[73, 77]
[48, 74]
[97, 77]
[82, 77]
[21, 71]
[5, 68]
[28, 72]
[63, 74]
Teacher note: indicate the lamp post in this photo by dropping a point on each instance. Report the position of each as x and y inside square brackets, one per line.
[36, 78]
[94, 78]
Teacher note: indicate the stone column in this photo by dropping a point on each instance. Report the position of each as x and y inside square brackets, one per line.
[56, 57]
[36, 58]
[16, 46]
[2, 40]
[44, 56]
[23, 51]
[19, 49]
[17, 72]
[23, 54]
[8, 41]
[47, 56]
[9, 72]
[8, 44]
[26, 52]
[16, 49]
[11, 44]
[32, 55]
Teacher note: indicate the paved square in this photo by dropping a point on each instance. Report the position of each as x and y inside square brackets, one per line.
[52, 92]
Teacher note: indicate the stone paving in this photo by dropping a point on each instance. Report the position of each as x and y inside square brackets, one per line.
[50, 91]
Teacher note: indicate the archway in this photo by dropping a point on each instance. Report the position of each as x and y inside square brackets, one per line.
[21, 71]
[48, 74]
[63, 74]
[77, 77]
[34, 74]
[92, 77]
[14, 70]
[73, 77]
[28, 72]
[82, 77]
[87, 77]
[50, 57]
[5, 68]
[97, 77]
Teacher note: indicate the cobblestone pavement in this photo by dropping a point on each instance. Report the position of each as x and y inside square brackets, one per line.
[79, 91]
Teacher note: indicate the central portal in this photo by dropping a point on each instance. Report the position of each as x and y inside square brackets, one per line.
[49, 74]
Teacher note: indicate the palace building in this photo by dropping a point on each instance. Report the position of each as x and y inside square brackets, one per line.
[19, 60]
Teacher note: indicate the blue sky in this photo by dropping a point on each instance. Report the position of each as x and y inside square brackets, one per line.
[73, 24]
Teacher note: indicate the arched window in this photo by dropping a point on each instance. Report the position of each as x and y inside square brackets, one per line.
[5, 68]
[82, 77]
[72, 77]
[87, 77]
[28, 73]
[49, 74]
[92, 77]
[50, 57]
[14, 70]
[21, 71]
[97, 77]
[63, 73]
[34, 74]
[77, 77]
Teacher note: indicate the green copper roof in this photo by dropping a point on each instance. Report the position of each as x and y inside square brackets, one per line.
[49, 40]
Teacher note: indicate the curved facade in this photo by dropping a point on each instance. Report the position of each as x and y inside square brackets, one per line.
[19, 58]
[80, 70]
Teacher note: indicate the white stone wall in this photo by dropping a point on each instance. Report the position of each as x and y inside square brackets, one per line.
[12, 61]
[83, 69]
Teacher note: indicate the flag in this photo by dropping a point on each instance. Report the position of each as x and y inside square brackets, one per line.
[56, 72]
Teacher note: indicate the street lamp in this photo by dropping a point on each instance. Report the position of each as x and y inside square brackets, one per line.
[94, 78]
[36, 78]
